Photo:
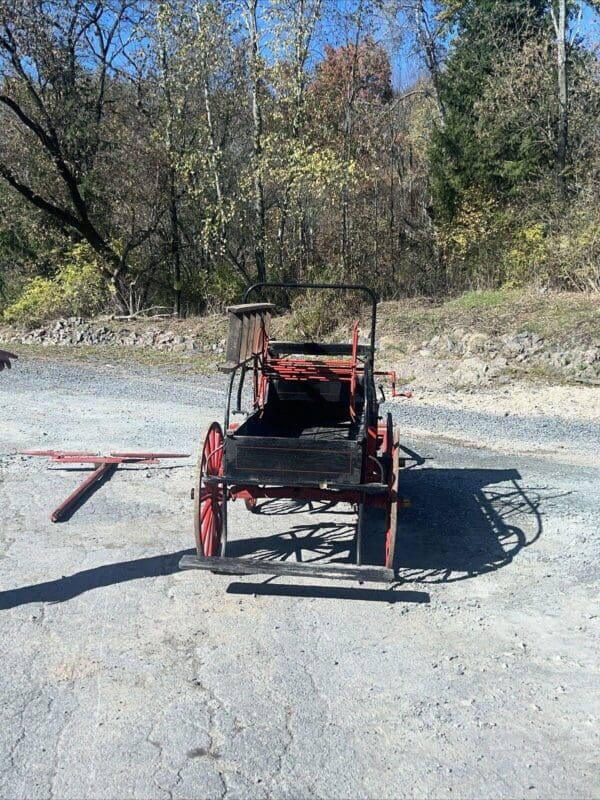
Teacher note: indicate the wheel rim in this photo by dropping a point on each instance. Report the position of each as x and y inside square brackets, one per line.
[209, 505]
[385, 431]
[392, 512]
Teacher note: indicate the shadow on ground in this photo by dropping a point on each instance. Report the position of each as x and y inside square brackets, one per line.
[462, 523]
[70, 586]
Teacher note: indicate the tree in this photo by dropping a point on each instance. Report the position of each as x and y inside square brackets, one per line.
[486, 31]
[295, 22]
[59, 70]
[352, 76]
[559, 21]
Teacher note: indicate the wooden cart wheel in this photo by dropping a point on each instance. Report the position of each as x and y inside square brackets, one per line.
[392, 511]
[210, 508]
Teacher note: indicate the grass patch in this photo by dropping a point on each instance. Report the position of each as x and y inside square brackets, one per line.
[477, 300]
[557, 316]
[120, 356]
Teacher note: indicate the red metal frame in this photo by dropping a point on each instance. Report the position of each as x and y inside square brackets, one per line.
[104, 466]
[306, 369]
[391, 374]
[352, 496]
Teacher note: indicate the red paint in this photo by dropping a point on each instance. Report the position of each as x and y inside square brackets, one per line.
[248, 492]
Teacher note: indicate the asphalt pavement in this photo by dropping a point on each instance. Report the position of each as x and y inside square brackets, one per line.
[474, 675]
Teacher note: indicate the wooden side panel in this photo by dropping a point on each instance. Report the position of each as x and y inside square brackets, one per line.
[234, 339]
[246, 324]
[292, 462]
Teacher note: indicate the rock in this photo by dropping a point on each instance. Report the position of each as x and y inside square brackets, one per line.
[471, 371]
[512, 345]
[475, 342]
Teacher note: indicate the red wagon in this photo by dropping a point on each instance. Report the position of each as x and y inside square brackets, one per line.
[313, 433]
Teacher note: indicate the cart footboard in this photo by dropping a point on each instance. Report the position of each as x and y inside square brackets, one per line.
[252, 566]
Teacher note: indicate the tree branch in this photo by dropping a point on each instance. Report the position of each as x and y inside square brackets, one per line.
[62, 215]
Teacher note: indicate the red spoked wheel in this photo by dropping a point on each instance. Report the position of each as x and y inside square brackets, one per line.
[394, 500]
[210, 507]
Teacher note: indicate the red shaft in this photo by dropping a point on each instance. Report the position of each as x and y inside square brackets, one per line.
[80, 490]
[151, 455]
[53, 453]
[103, 460]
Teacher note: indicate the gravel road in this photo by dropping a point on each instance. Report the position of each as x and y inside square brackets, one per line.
[476, 675]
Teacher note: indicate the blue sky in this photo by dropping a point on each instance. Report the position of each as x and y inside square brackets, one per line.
[400, 43]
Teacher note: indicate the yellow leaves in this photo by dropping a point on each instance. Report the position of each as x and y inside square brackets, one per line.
[527, 254]
[477, 220]
[77, 288]
[306, 167]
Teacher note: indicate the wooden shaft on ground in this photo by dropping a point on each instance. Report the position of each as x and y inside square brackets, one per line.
[98, 473]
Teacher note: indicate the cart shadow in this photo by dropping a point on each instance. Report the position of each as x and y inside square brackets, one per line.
[462, 523]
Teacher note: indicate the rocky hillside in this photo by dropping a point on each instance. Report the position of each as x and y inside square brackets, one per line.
[463, 358]
[478, 339]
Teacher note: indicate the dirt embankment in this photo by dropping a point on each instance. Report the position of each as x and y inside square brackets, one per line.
[482, 340]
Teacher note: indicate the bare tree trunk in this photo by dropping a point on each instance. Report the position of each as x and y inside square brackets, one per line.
[348, 119]
[426, 38]
[175, 248]
[257, 145]
[214, 155]
[303, 33]
[560, 27]
[376, 253]
[283, 215]
[173, 212]
[392, 209]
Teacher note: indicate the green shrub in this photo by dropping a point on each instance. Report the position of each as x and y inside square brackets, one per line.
[223, 287]
[316, 315]
[77, 288]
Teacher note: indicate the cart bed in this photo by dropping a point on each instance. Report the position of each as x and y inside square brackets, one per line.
[314, 441]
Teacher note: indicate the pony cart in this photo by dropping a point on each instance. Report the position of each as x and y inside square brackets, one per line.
[313, 434]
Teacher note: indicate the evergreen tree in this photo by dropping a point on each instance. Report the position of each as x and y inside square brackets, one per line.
[485, 32]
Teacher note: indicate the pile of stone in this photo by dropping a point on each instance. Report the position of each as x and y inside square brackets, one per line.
[76, 331]
[465, 357]
[482, 357]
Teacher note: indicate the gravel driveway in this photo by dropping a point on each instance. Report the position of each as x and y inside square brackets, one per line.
[475, 676]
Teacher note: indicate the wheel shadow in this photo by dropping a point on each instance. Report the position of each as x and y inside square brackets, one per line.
[462, 523]
[319, 541]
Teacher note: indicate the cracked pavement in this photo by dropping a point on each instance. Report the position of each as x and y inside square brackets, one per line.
[476, 675]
